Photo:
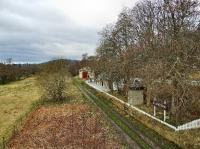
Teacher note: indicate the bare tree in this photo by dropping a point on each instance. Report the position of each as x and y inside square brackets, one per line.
[159, 42]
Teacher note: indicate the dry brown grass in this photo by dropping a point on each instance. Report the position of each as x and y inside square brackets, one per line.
[67, 126]
[195, 76]
[72, 124]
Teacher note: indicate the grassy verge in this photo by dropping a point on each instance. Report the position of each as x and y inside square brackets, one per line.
[116, 94]
[17, 125]
[159, 113]
[135, 124]
[17, 100]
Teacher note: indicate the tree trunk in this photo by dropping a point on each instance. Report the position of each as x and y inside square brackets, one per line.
[148, 98]
[173, 109]
[125, 90]
[110, 85]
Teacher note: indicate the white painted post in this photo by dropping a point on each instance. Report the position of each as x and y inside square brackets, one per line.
[154, 108]
[164, 112]
[154, 111]
[164, 115]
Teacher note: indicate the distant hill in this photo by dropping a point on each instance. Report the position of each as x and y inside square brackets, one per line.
[72, 61]
[69, 61]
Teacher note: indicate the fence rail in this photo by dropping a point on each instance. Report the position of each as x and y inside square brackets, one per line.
[190, 125]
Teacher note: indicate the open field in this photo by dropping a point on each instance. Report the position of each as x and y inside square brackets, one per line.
[74, 123]
[15, 101]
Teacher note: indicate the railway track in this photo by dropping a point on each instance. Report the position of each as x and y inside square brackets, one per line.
[132, 136]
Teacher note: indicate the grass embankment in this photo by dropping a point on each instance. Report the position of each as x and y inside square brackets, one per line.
[143, 135]
[17, 99]
[158, 132]
[116, 94]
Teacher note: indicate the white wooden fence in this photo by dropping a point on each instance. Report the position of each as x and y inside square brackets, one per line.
[190, 125]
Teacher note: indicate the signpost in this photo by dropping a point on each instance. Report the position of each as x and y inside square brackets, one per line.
[161, 105]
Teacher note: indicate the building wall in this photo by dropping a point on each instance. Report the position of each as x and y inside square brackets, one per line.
[80, 74]
[135, 97]
[83, 71]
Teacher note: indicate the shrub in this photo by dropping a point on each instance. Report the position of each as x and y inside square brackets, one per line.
[52, 80]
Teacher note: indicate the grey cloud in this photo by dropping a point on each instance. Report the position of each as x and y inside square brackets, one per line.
[32, 30]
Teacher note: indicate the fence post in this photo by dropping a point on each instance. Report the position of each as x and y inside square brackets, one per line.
[165, 103]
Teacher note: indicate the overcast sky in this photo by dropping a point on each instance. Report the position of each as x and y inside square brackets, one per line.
[39, 30]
